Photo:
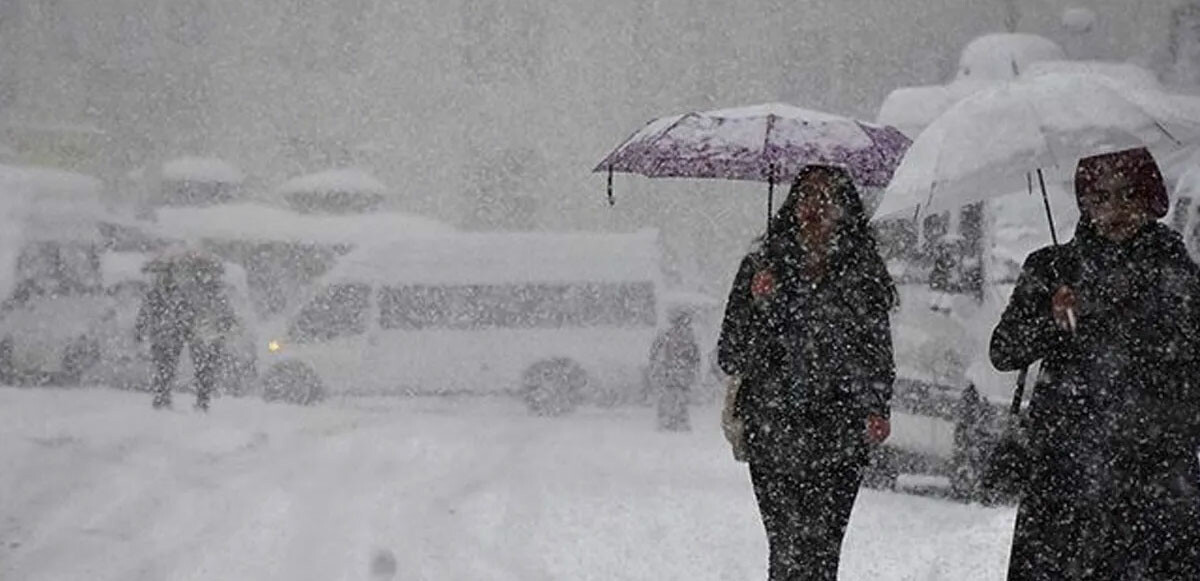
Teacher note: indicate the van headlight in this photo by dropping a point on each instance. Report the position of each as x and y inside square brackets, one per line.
[274, 346]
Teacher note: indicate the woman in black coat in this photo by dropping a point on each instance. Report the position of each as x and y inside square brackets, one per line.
[807, 335]
[1112, 427]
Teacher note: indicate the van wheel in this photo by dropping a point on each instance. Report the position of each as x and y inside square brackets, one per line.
[553, 387]
[292, 382]
[883, 470]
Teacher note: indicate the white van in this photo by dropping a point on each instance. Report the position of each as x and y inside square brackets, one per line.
[558, 318]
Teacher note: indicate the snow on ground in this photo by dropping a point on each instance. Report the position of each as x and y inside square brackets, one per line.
[95, 485]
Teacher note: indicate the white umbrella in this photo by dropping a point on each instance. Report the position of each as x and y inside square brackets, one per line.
[991, 143]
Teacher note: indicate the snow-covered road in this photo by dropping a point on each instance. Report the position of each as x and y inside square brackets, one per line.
[94, 485]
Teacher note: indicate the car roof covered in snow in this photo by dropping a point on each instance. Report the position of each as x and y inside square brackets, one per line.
[266, 223]
[504, 257]
[335, 180]
[1001, 57]
[201, 169]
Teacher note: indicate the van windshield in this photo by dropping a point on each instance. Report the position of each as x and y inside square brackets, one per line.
[517, 306]
[339, 311]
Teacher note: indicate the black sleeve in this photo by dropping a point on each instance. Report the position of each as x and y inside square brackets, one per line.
[1026, 332]
[878, 359]
[734, 347]
[1191, 368]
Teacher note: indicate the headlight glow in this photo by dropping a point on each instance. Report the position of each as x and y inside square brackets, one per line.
[274, 346]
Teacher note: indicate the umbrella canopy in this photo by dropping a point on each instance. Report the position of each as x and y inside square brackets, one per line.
[992, 142]
[768, 143]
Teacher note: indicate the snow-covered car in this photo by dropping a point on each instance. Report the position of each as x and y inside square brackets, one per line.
[52, 252]
[192, 181]
[124, 363]
[49, 323]
[555, 318]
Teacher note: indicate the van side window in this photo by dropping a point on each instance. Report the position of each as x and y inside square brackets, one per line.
[518, 306]
[339, 311]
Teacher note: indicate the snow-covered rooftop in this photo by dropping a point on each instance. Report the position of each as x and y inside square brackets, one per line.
[249, 221]
[494, 257]
[1002, 57]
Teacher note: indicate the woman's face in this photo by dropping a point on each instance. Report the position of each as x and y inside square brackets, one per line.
[818, 212]
[1113, 208]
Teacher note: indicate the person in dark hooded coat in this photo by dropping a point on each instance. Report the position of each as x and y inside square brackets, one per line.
[1114, 317]
[807, 337]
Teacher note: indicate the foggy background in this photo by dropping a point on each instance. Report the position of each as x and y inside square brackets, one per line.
[485, 114]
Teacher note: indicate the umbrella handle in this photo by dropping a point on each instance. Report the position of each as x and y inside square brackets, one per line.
[611, 201]
[770, 195]
[1046, 203]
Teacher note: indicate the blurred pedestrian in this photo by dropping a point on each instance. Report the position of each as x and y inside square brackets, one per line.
[185, 306]
[674, 367]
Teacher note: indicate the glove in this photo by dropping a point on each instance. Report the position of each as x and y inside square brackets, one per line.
[733, 426]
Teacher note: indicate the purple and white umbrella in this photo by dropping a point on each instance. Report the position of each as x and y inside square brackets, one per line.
[767, 143]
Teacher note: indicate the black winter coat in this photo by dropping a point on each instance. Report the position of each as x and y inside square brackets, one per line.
[175, 313]
[814, 358]
[1114, 415]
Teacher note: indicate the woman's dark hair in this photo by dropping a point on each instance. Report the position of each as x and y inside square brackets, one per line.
[855, 253]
